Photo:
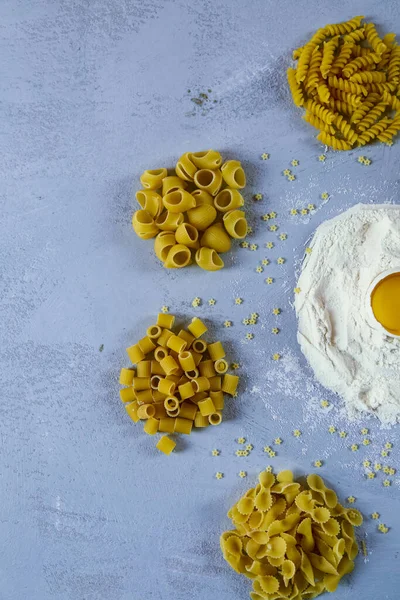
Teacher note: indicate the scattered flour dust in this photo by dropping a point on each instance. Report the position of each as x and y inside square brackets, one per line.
[348, 354]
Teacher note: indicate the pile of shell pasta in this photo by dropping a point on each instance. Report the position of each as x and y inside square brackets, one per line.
[179, 381]
[195, 210]
[292, 540]
[347, 78]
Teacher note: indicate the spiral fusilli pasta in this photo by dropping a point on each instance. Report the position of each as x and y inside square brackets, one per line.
[348, 80]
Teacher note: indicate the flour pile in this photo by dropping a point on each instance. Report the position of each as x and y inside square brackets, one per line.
[347, 353]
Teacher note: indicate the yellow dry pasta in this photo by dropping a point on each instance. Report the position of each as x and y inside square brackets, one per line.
[150, 202]
[176, 383]
[152, 179]
[284, 550]
[345, 72]
[208, 259]
[233, 174]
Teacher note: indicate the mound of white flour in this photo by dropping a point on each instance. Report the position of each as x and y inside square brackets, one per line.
[347, 354]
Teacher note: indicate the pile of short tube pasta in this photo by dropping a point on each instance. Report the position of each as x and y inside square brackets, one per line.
[347, 78]
[179, 380]
[293, 540]
[194, 210]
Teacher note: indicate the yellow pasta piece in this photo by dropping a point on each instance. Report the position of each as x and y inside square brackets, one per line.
[215, 383]
[197, 328]
[178, 257]
[144, 396]
[228, 199]
[168, 221]
[216, 238]
[146, 411]
[348, 86]
[132, 410]
[144, 225]
[186, 390]
[166, 425]
[135, 353]
[201, 421]
[206, 407]
[162, 340]
[163, 244]
[178, 201]
[202, 197]
[318, 123]
[215, 418]
[187, 235]
[165, 444]
[202, 216]
[209, 159]
[156, 368]
[295, 88]
[186, 360]
[206, 368]
[188, 411]
[176, 343]
[218, 399]
[171, 403]
[166, 321]
[127, 394]
[230, 383]
[172, 183]
[235, 224]
[183, 426]
[233, 174]
[361, 62]
[346, 129]
[201, 384]
[150, 201]
[185, 167]
[152, 179]
[332, 141]
[141, 383]
[151, 426]
[126, 376]
[216, 351]
[341, 59]
[209, 180]
[221, 366]
[146, 345]
[192, 374]
[199, 346]
[167, 386]
[328, 55]
[373, 38]
[208, 259]
[144, 369]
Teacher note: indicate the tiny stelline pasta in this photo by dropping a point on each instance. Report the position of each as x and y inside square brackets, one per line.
[179, 380]
[293, 540]
[194, 212]
[347, 78]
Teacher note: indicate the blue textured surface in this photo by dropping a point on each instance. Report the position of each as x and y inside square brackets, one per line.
[93, 93]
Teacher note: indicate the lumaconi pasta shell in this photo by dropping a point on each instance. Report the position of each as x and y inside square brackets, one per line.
[185, 168]
[144, 224]
[233, 174]
[216, 237]
[235, 224]
[202, 197]
[178, 257]
[202, 217]
[150, 201]
[168, 221]
[188, 235]
[208, 259]
[163, 243]
[209, 159]
[228, 199]
[178, 201]
[209, 180]
[151, 179]
[172, 183]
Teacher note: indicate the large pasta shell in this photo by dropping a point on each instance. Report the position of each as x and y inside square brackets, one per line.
[188, 235]
[178, 201]
[185, 168]
[178, 257]
[209, 159]
[202, 216]
[228, 199]
[233, 174]
[208, 259]
[209, 180]
[172, 183]
[151, 201]
[168, 221]
[163, 243]
[202, 197]
[152, 178]
[235, 224]
[215, 237]
[144, 224]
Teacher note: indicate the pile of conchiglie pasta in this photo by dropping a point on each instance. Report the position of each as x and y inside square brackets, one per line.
[194, 210]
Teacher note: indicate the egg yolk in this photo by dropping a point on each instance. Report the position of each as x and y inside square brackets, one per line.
[385, 302]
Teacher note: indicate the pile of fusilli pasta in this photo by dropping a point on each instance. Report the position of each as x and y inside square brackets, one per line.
[347, 78]
[292, 540]
[193, 210]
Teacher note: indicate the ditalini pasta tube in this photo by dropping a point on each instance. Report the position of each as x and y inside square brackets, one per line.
[230, 383]
[197, 328]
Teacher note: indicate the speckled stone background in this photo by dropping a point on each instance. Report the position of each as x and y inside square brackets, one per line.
[92, 94]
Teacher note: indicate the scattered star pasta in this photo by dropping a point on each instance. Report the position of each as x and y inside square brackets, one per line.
[293, 540]
[347, 79]
[178, 382]
[192, 212]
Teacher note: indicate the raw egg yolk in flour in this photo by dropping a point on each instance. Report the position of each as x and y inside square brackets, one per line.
[385, 302]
